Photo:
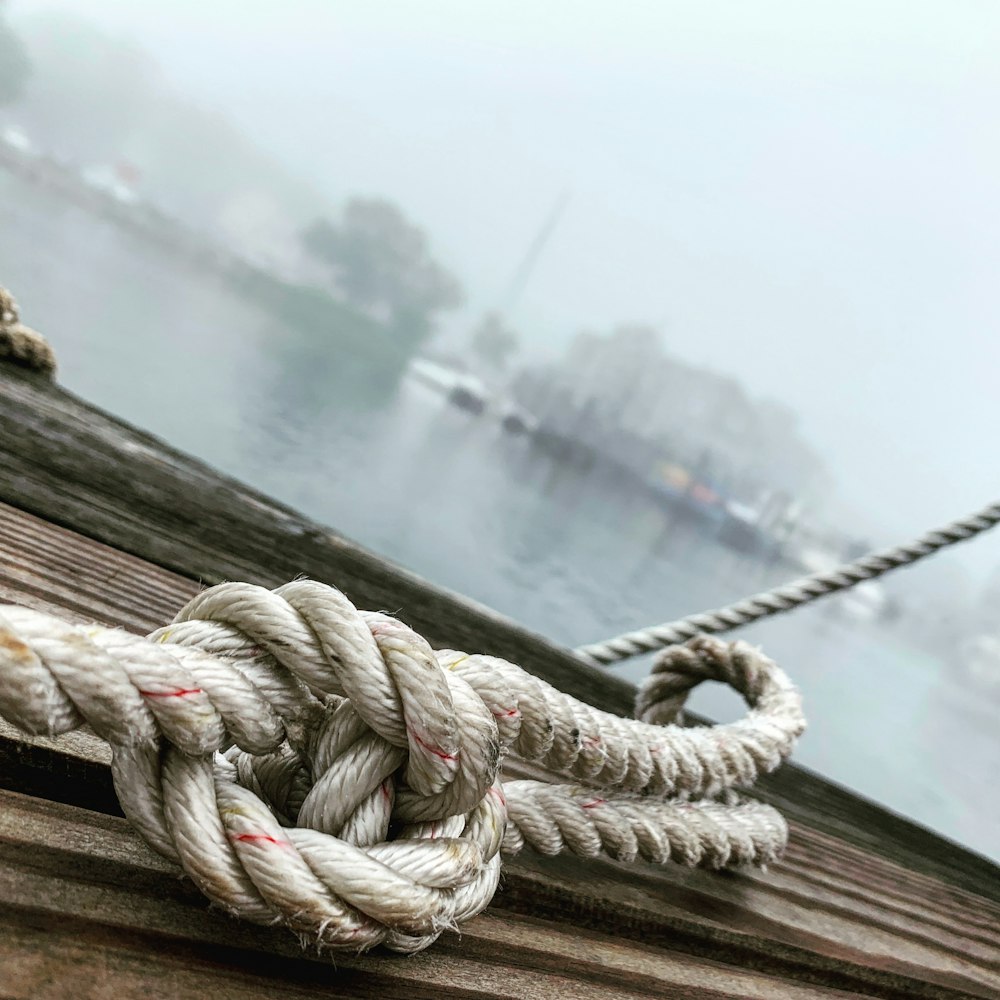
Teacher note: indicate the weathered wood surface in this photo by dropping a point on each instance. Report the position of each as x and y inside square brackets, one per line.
[83, 895]
[864, 903]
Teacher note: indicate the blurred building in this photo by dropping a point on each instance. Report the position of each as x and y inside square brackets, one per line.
[621, 390]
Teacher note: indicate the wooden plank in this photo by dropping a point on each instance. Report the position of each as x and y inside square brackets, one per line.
[89, 581]
[73, 465]
[73, 875]
[62, 958]
[830, 913]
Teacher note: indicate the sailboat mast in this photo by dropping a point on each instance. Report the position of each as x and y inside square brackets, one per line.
[534, 252]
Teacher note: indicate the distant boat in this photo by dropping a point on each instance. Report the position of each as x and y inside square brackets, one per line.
[461, 389]
[17, 140]
[469, 393]
[116, 181]
[516, 420]
[434, 375]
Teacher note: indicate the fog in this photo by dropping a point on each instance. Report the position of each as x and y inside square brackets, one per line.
[805, 196]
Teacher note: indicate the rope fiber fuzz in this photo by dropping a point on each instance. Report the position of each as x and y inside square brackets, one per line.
[315, 766]
[21, 345]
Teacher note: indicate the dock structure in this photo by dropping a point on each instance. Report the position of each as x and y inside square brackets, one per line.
[102, 522]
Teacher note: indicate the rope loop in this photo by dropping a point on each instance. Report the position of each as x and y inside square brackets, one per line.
[21, 345]
[320, 767]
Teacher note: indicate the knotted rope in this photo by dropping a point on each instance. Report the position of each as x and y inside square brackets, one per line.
[312, 765]
[790, 595]
[19, 343]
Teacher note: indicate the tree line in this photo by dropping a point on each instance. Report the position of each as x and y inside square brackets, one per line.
[89, 98]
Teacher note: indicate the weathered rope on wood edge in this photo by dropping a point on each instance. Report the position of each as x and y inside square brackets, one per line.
[790, 595]
[311, 765]
[20, 344]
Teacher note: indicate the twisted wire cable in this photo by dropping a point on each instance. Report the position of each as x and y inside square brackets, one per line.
[790, 595]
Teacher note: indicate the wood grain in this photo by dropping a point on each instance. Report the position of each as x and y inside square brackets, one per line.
[69, 875]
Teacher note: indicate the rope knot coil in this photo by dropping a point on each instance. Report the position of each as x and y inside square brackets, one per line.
[324, 768]
[20, 344]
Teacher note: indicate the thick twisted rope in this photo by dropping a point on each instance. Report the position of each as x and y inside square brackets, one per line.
[20, 344]
[311, 765]
[791, 595]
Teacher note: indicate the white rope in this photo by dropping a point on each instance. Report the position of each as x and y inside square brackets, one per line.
[790, 595]
[311, 765]
[20, 344]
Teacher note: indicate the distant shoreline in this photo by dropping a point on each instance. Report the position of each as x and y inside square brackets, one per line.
[309, 310]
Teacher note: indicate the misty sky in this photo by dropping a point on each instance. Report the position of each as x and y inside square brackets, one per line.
[806, 195]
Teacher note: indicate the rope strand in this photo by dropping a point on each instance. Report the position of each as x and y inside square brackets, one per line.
[19, 344]
[312, 765]
[790, 595]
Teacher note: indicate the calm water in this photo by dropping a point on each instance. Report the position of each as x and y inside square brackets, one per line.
[448, 495]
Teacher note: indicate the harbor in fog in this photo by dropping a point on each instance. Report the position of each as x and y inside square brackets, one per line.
[570, 551]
